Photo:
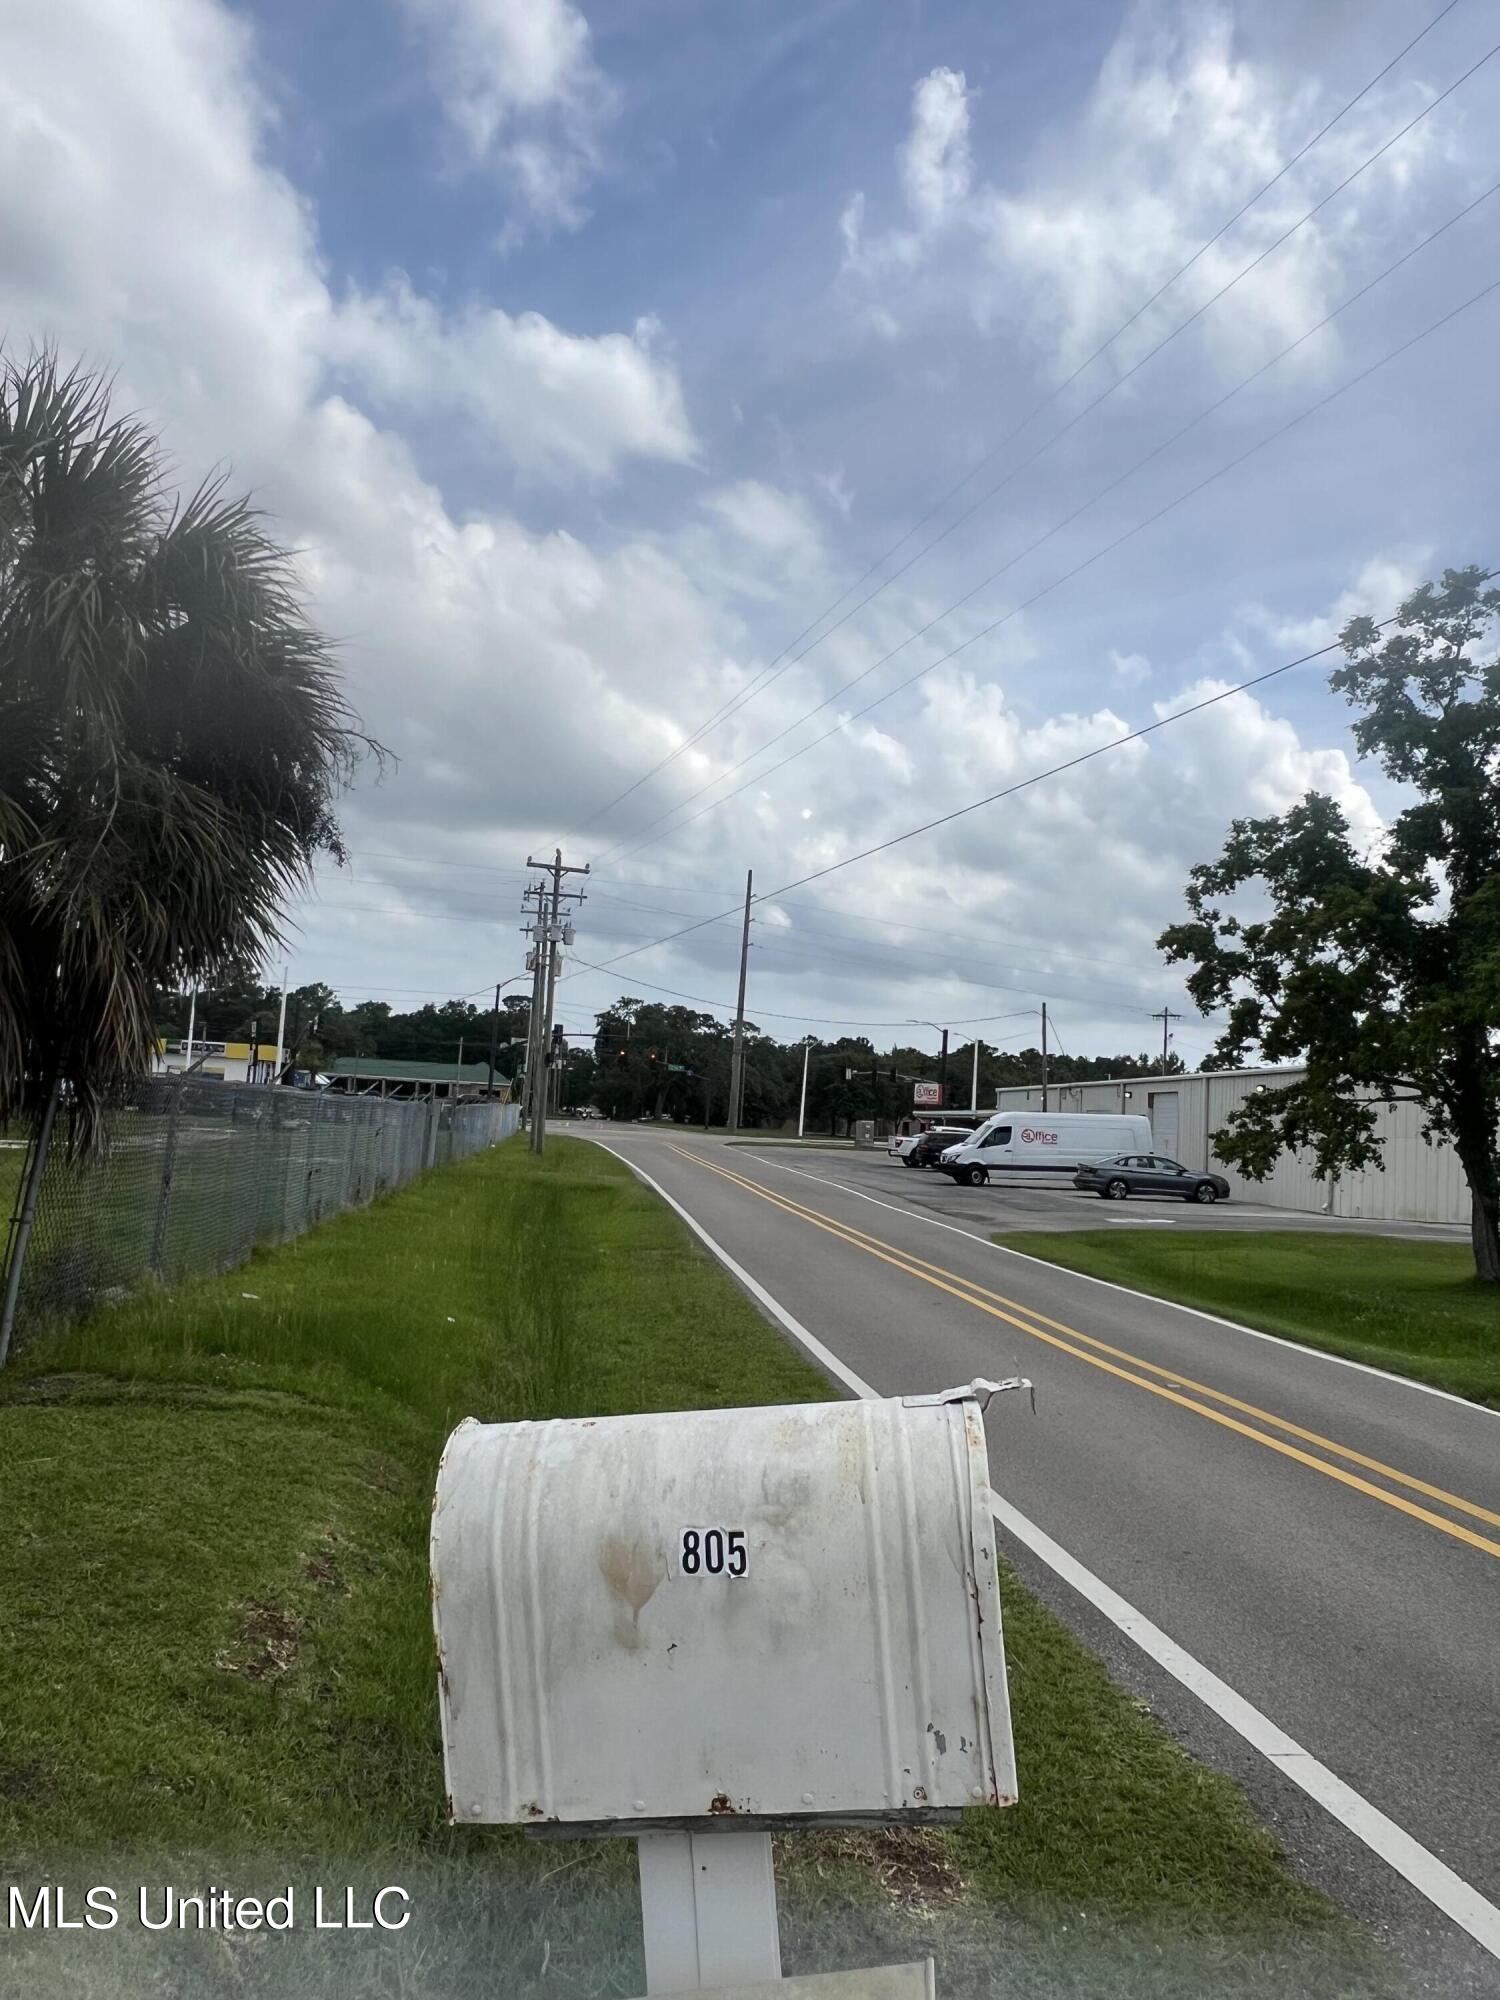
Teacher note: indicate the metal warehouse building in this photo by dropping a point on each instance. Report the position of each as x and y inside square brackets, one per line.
[1417, 1183]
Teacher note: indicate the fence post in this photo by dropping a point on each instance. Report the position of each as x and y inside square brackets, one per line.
[168, 1166]
[41, 1146]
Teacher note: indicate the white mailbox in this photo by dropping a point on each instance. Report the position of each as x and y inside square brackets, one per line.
[734, 1618]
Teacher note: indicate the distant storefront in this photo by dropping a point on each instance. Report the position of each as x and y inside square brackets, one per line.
[232, 1062]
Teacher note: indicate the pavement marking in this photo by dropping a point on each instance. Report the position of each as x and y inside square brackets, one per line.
[1418, 1865]
[1433, 1879]
[1149, 1298]
[969, 1292]
[823, 1355]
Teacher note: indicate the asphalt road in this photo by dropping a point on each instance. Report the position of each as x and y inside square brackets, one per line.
[1324, 1538]
[1020, 1203]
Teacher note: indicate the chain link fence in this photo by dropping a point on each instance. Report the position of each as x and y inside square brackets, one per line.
[195, 1173]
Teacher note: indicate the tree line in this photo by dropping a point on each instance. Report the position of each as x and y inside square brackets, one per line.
[670, 1062]
[174, 735]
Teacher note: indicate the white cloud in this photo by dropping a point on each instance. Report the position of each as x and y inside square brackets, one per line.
[1381, 584]
[153, 233]
[526, 673]
[522, 94]
[936, 172]
[937, 169]
[1129, 669]
[555, 401]
[1178, 130]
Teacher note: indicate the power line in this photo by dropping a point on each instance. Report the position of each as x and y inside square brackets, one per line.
[1086, 756]
[1066, 520]
[1015, 941]
[828, 905]
[796, 933]
[860, 957]
[813, 1020]
[1053, 770]
[782, 664]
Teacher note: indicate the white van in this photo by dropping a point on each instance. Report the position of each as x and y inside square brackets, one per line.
[1044, 1142]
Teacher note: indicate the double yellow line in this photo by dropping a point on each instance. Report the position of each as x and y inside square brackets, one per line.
[1167, 1383]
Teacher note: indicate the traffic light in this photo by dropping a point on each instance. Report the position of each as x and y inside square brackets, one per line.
[620, 1055]
[651, 1055]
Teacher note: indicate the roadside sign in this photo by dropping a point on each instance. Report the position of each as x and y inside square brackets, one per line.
[926, 1094]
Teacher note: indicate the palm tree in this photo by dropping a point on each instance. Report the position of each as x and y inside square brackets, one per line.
[172, 739]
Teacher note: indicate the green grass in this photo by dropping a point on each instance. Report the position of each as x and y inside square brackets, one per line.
[1415, 1308]
[218, 1658]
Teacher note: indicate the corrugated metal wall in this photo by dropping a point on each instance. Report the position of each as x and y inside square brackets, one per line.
[1416, 1183]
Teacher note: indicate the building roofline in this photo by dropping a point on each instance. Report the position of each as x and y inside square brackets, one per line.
[1175, 1076]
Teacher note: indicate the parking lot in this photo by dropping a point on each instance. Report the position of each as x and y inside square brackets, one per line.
[1020, 1202]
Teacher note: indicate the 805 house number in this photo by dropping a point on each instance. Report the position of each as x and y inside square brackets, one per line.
[714, 1552]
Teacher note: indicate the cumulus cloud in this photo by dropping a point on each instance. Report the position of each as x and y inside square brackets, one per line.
[1178, 130]
[937, 168]
[1129, 669]
[152, 232]
[936, 172]
[526, 672]
[555, 401]
[1381, 584]
[523, 96]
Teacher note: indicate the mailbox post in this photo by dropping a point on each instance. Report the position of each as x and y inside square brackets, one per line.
[698, 1628]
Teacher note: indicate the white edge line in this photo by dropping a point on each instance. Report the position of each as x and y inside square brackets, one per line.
[1432, 1878]
[1149, 1298]
[824, 1356]
[1429, 1876]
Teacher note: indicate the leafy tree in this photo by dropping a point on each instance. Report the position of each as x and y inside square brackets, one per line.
[172, 737]
[1381, 973]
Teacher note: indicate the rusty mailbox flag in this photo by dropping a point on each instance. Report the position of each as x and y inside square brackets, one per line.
[697, 1627]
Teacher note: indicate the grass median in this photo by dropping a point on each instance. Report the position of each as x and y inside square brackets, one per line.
[218, 1658]
[1414, 1308]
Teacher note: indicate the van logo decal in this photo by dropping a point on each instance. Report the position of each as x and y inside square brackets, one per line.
[1030, 1137]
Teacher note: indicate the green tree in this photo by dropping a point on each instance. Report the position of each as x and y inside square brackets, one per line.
[172, 738]
[1381, 972]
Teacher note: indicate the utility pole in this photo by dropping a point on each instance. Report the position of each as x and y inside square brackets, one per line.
[974, 1086]
[1166, 1017]
[943, 1072]
[494, 1039]
[458, 1074]
[802, 1107]
[534, 1017]
[548, 935]
[1044, 1055]
[286, 973]
[737, 1059]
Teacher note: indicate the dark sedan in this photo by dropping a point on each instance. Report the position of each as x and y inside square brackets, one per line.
[935, 1142]
[1149, 1173]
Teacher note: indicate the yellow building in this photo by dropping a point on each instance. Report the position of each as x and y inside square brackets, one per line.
[230, 1062]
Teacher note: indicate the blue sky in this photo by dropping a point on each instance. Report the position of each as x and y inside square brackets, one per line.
[589, 352]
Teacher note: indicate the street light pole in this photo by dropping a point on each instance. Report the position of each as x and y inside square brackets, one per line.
[938, 1028]
[802, 1107]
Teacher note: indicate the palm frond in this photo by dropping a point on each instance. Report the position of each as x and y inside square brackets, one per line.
[173, 736]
